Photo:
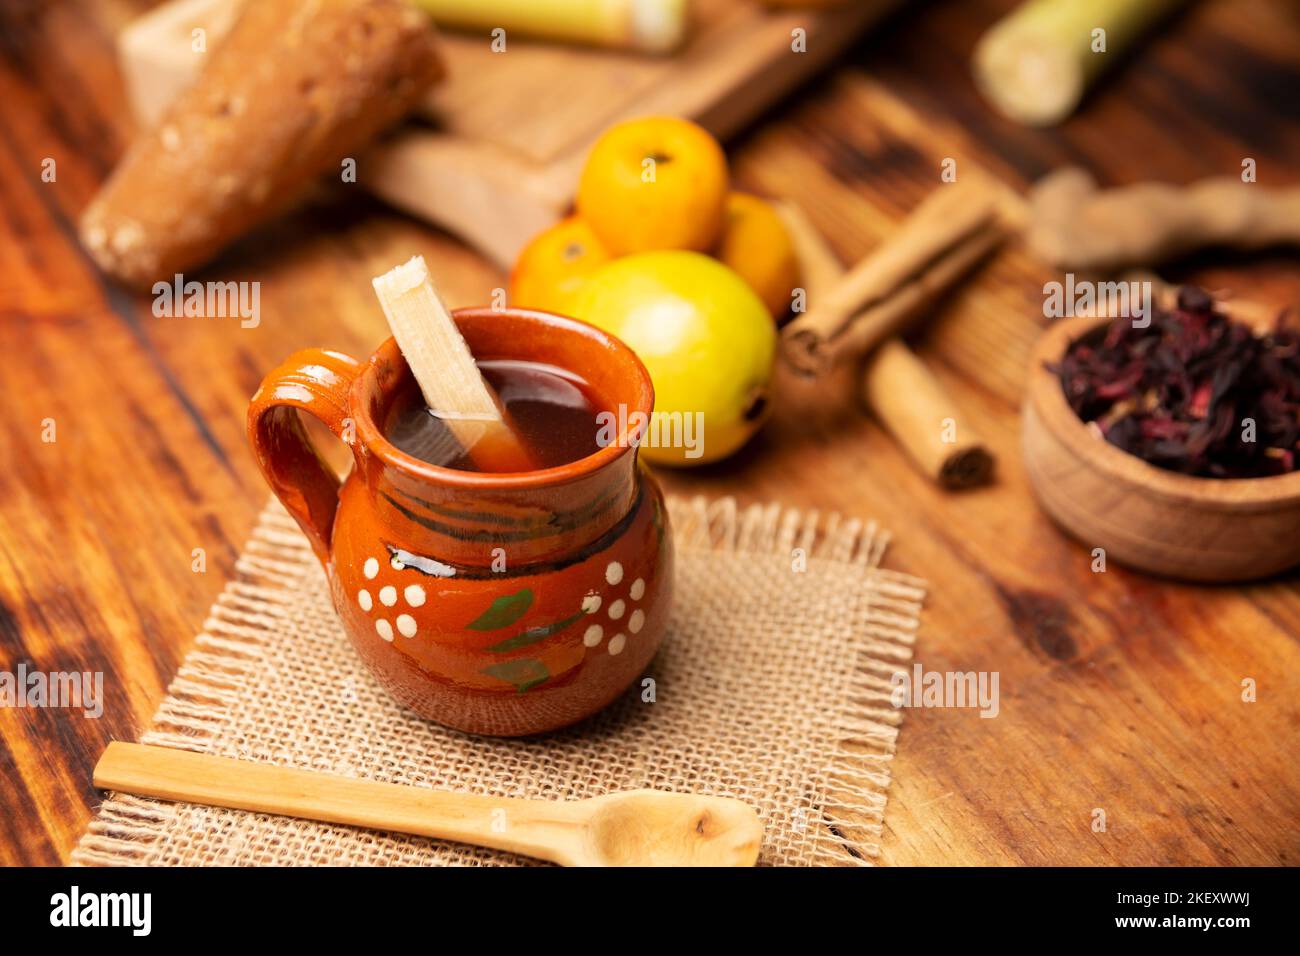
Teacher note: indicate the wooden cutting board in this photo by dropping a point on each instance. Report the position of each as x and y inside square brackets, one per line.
[496, 153]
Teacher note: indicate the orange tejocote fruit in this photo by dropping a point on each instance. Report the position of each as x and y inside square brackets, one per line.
[554, 265]
[655, 183]
[756, 244]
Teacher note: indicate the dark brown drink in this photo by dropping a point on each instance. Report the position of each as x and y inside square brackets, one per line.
[552, 411]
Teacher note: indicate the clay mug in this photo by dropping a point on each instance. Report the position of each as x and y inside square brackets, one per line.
[503, 604]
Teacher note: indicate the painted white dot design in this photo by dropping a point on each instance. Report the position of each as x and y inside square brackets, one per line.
[616, 610]
[593, 635]
[370, 568]
[591, 603]
[636, 621]
[414, 595]
[385, 629]
[616, 644]
[406, 624]
[614, 573]
[364, 599]
[637, 591]
[397, 564]
[388, 596]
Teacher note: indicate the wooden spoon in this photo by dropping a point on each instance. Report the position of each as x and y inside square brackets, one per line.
[632, 828]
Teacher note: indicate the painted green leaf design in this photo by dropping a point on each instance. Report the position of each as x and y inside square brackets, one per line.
[504, 611]
[533, 635]
[525, 674]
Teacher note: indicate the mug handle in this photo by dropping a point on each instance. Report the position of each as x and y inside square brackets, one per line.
[316, 381]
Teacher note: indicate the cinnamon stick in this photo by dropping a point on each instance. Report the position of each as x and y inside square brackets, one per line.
[945, 235]
[905, 304]
[922, 416]
[896, 385]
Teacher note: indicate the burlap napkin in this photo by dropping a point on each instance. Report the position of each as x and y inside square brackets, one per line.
[772, 686]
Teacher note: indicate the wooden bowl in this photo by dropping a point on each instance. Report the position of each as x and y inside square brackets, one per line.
[1153, 520]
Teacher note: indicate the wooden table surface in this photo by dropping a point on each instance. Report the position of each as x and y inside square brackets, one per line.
[1118, 691]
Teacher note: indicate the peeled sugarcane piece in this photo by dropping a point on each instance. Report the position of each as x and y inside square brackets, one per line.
[1076, 226]
[157, 53]
[1036, 64]
[443, 367]
[650, 26]
[291, 91]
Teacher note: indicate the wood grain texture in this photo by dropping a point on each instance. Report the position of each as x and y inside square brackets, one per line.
[1118, 691]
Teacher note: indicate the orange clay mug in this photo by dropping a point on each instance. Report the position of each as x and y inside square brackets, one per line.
[414, 552]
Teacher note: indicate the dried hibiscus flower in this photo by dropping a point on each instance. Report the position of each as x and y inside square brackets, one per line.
[1194, 391]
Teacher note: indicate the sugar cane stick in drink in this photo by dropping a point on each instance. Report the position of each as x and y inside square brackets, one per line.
[444, 368]
[651, 26]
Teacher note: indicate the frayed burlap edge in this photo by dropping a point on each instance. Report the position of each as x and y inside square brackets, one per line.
[846, 824]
